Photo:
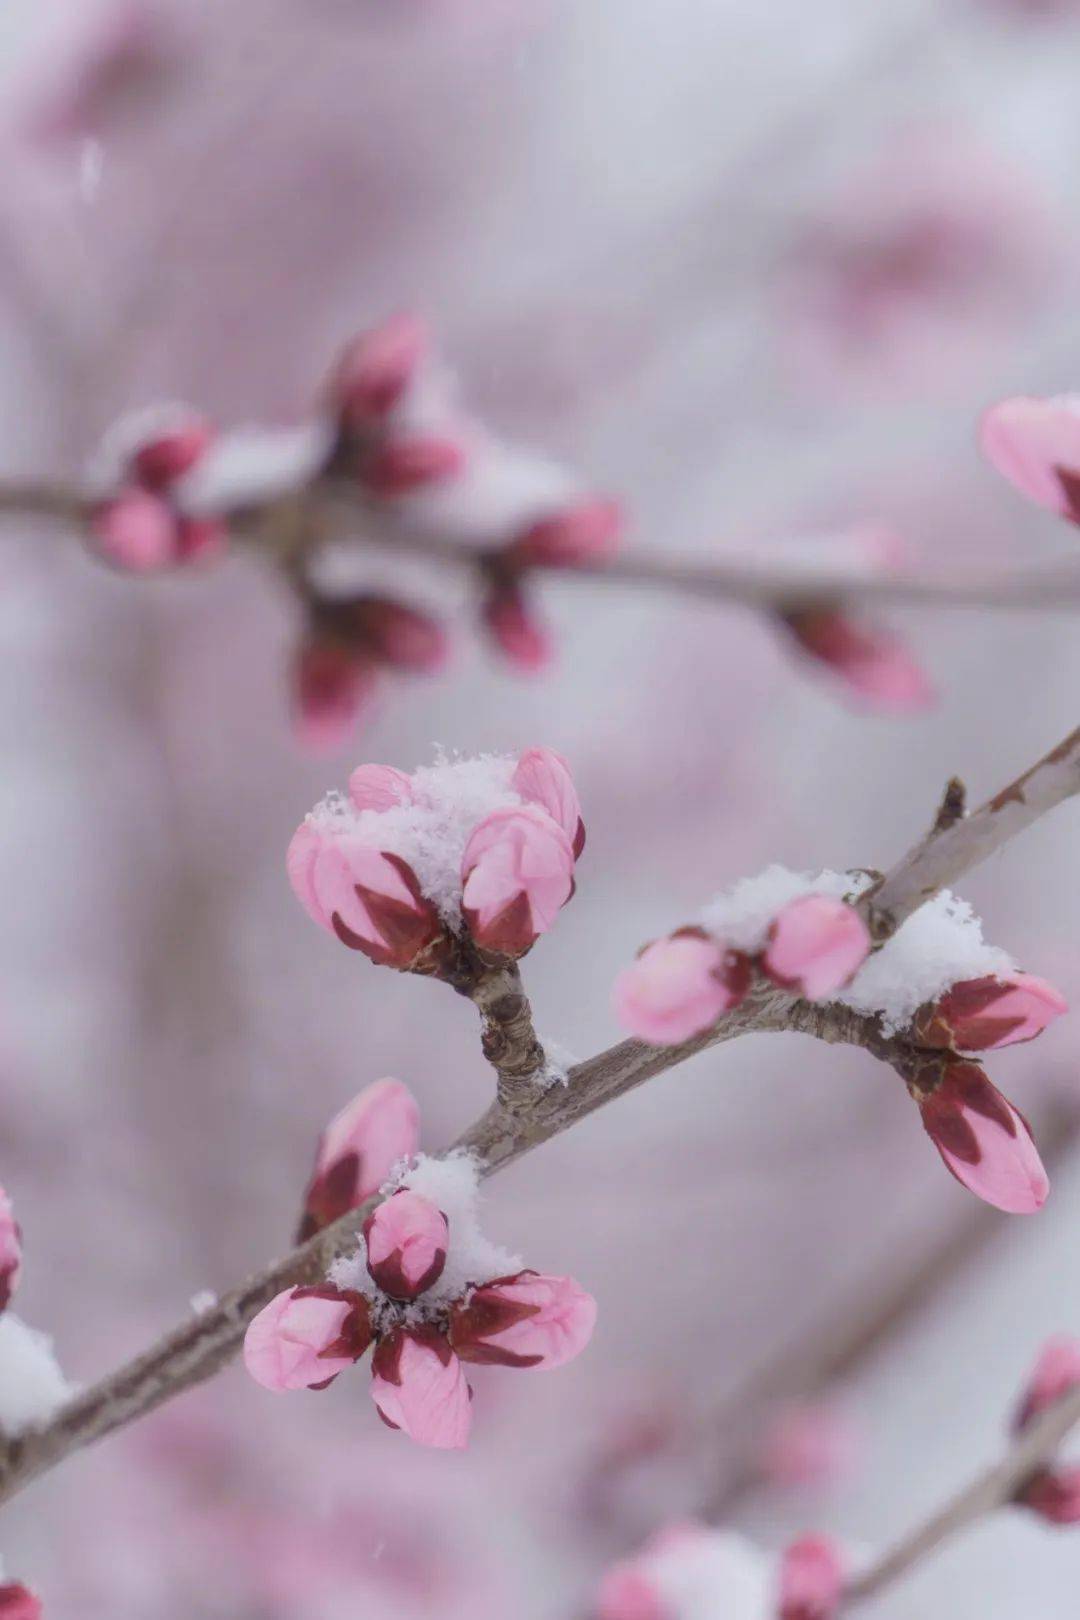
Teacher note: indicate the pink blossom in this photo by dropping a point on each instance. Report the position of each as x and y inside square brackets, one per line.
[978, 1015]
[984, 1140]
[526, 1320]
[369, 898]
[517, 873]
[17, 1602]
[419, 1386]
[543, 777]
[139, 526]
[400, 636]
[679, 986]
[333, 691]
[807, 1444]
[305, 1337]
[358, 1150]
[379, 787]
[158, 463]
[875, 667]
[1035, 444]
[1054, 1494]
[402, 466]
[629, 1593]
[1056, 1372]
[136, 531]
[376, 369]
[521, 638]
[10, 1251]
[586, 533]
[407, 1239]
[815, 946]
[811, 1579]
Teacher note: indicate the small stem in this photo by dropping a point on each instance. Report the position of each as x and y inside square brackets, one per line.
[511, 1044]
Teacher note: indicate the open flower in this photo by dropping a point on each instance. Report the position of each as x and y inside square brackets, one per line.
[140, 523]
[422, 1286]
[983, 1140]
[480, 850]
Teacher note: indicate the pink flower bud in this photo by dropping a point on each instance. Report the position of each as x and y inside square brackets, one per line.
[1054, 1494]
[161, 461]
[876, 668]
[358, 1150]
[808, 1444]
[978, 1015]
[10, 1251]
[368, 897]
[200, 540]
[1056, 1372]
[376, 369]
[333, 690]
[399, 635]
[523, 640]
[379, 787]
[984, 1141]
[136, 531]
[628, 1592]
[1035, 444]
[543, 777]
[811, 1579]
[816, 944]
[679, 986]
[419, 1386]
[407, 1239]
[527, 1320]
[402, 466]
[517, 872]
[306, 1336]
[588, 532]
[18, 1603]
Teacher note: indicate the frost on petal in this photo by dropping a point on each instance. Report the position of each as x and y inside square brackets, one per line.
[811, 1579]
[978, 1015]
[984, 1141]
[527, 1320]
[678, 986]
[10, 1251]
[305, 1337]
[379, 787]
[1035, 444]
[876, 669]
[407, 1240]
[1054, 1494]
[543, 777]
[518, 872]
[419, 1387]
[358, 1150]
[1056, 1372]
[17, 1602]
[815, 946]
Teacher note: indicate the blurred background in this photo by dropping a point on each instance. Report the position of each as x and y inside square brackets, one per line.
[754, 269]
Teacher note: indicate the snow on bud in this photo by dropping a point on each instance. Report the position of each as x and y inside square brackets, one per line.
[407, 1239]
[403, 466]
[305, 1337]
[138, 526]
[10, 1251]
[379, 787]
[875, 667]
[17, 1602]
[816, 944]
[333, 691]
[419, 1387]
[522, 639]
[983, 1140]
[368, 897]
[517, 874]
[358, 1150]
[1035, 444]
[1054, 1494]
[543, 777]
[811, 1579]
[588, 532]
[1056, 1372]
[678, 986]
[978, 1015]
[376, 369]
[527, 1320]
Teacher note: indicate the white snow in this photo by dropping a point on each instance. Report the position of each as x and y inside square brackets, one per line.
[450, 799]
[452, 1185]
[126, 435]
[715, 1576]
[247, 465]
[742, 915]
[559, 1061]
[32, 1386]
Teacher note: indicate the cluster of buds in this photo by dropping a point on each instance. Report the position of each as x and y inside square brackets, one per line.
[16, 1601]
[1053, 1492]
[422, 1333]
[691, 1572]
[413, 870]
[1035, 444]
[141, 524]
[682, 984]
